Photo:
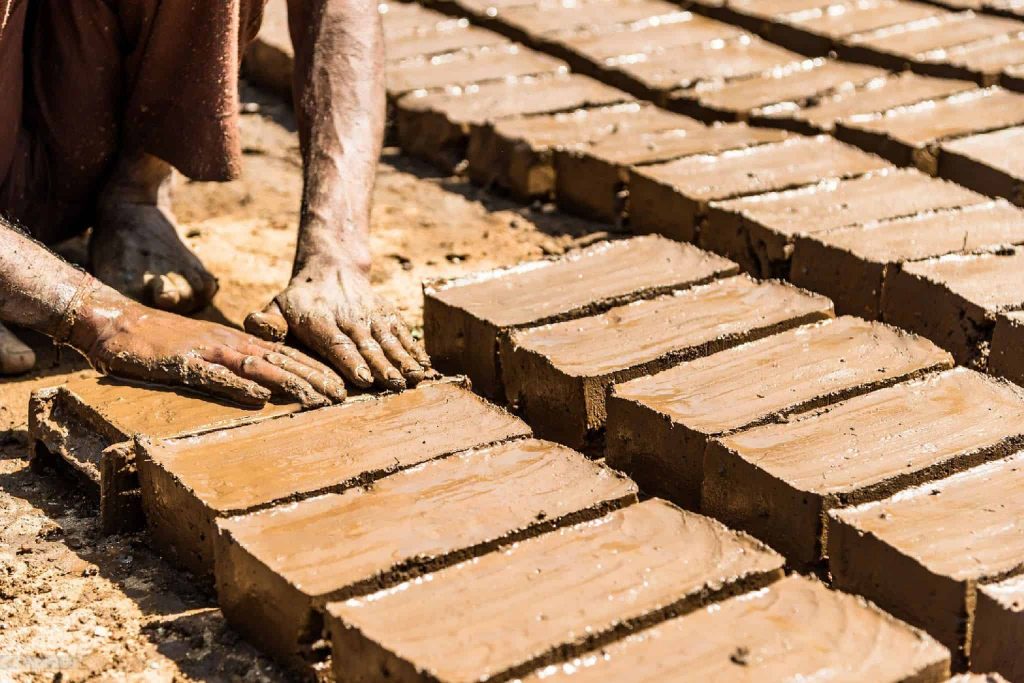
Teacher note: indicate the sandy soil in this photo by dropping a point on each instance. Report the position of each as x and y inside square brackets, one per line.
[75, 605]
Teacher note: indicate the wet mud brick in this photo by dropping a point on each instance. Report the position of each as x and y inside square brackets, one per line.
[538, 22]
[461, 69]
[1007, 353]
[897, 47]
[795, 629]
[982, 62]
[547, 599]
[558, 375]
[188, 483]
[658, 75]
[912, 135]
[778, 482]
[1012, 78]
[999, 629]
[659, 426]
[759, 231]
[275, 568]
[795, 85]
[877, 95]
[436, 126]
[89, 424]
[594, 51]
[954, 300]
[850, 265]
[441, 40]
[817, 31]
[590, 181]
[923, 553]
[987, 163]
[672, 199]
[518, 154]
[757, 15]
[464, 318]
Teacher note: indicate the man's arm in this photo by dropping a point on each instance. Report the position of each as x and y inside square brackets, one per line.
[340, 104]
[124, 338]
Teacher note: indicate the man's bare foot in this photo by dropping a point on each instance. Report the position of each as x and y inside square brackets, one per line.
[15, 356]
[135, 246]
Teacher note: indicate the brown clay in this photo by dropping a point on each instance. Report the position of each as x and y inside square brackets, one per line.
[953, 300]
[912, 135]
[850, 265]
[464, 318]
[922, 553]
[275, 567]
[558, 375]
[779, 481]
[546, 599]
[590, 181]
[794, 629]
[436, 125]
[188, 483]
[684, 188]
[999, 628]
[760, 230]
[986, 163]
[659, 426]
[878, 95]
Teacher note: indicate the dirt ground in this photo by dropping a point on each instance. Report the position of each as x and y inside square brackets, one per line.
[77, 606]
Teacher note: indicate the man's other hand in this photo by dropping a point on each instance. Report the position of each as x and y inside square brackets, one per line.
[333, 310]
[126, 339]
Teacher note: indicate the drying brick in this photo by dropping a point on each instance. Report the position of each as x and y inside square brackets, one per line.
[275, 568]
[558, 375]
[518, 154]
[759, 231]
[999, 628]
[546, 599]
[988, 163]
[188, 483]
[89, 424]
[954, 300]
[660, 426]
[922, 553]
[673, 198]
[850, 265]
[912, 135]
[779, 481]
[590, 181]
[436, 126]
[795, 629]
[464, 318]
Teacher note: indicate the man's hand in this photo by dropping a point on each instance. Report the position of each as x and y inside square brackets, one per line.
[129, 340]
[332, 309]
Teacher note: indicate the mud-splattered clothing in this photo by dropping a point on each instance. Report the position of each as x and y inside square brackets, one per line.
[81, 80]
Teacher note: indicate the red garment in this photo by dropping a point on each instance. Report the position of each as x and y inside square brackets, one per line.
[81, 80]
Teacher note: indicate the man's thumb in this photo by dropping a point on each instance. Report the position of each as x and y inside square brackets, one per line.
[267, 324]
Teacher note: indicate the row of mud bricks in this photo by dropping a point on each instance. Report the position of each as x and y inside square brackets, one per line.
[434, 536]
[850, 447]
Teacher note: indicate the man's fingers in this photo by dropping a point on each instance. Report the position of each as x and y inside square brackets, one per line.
[382, 369]
[339, 350]
[267, 324]
[263, 371]
[396, 353]
[217, 380]
[333, 389]
[322, 377]
[414, 348]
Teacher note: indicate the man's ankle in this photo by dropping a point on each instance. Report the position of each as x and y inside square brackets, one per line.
[138, 178]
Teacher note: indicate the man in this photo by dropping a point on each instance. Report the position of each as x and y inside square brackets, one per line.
[100, 99]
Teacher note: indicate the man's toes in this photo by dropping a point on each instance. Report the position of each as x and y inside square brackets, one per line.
[15, 356]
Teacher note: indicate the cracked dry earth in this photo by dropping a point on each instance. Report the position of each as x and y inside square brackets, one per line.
[77, 606]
